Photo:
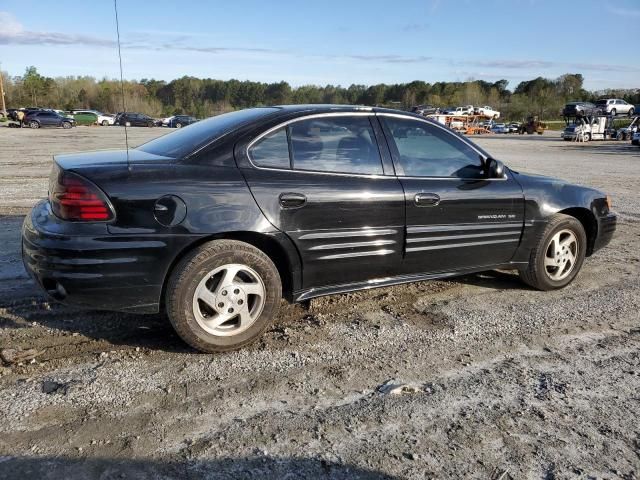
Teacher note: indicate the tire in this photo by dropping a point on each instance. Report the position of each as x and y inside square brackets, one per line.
[550, 277]
[105, 123]
[178, 125]
[201, 272]
[34, 124]
[127, 124]
[613, 112]
[631, 111]
[66, 125]
[150, 124]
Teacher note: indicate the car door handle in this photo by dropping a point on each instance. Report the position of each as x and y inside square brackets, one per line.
[292, 200]
[426, 199]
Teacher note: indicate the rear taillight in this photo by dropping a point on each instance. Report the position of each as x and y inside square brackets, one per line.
[75, 198]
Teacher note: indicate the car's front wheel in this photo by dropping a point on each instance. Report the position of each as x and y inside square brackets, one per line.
[613, 112]
[631, 111]
[105, 123]
[223, 295]
[34, 124]
[66, 125]
[558, 255]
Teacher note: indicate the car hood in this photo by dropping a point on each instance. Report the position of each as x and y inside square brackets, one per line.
[107, 157]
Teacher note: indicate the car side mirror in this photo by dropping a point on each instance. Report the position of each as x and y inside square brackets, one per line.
[494, 168]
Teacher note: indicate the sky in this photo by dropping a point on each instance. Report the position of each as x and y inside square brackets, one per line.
[327, 42]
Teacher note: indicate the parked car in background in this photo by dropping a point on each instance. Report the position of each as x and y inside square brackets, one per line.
[466, 110]
[245, 208]
[179, 121]
[12, 114]
[84, 117]
[615, 106]
[44, 118]
[487, 111]
[579, 109]
[627, 133]
[500, 128]
[132, 119]
[514, 127]
[103, 119]
[425, 110]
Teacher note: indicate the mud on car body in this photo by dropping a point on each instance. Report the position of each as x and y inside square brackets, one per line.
[217, 221]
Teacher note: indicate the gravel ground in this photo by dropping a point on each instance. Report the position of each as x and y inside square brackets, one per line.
[480, 377]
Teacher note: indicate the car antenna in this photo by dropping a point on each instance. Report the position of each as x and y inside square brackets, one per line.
[124, 109]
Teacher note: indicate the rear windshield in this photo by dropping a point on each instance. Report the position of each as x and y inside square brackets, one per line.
[188, 139]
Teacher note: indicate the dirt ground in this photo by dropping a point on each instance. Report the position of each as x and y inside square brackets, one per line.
[478, 377]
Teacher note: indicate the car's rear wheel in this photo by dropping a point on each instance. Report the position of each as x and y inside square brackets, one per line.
[178, 125]
[631, 111]
[223, 295]
[613, 112]
[558, 256]
[34, 124]
[105, 123]
[127, 124]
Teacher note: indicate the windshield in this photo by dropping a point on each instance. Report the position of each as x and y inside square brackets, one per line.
[188, 139]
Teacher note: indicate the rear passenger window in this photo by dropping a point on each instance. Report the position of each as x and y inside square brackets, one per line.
[272, 150]
[335, 144]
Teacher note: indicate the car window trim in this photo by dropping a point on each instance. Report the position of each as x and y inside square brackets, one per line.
[394, 152]
[286, 123]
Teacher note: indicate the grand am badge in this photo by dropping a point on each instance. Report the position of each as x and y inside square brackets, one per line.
[497, 216]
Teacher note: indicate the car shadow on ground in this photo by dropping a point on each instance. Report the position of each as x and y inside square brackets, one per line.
[115, 330]
[45, 468]
[621, 148]
[495, 279]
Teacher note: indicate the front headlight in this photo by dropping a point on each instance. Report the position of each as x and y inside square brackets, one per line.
[609, 203]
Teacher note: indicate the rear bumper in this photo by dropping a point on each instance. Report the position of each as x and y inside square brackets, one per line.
[97, 271]
[606, 228]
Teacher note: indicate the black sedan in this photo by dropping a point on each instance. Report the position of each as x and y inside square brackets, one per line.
[129, 119]
[179, 121]
[47, 118]
[216, 222]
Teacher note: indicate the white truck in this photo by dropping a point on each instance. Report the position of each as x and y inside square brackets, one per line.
[487, 112]
[586, 128]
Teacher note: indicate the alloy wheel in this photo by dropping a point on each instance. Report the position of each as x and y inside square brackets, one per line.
[229, 299]
[561, 255]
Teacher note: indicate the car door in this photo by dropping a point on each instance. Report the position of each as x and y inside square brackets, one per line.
[48, 119]
[456, 218]
[324, 181]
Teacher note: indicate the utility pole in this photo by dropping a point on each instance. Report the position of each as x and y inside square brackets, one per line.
[4, 107]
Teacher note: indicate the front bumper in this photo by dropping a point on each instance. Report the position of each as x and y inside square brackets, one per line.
[606, 228]
[86, 266]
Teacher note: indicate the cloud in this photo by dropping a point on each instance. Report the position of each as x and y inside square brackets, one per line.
[545, 64]
[510, 64]
[623, 12]
[415, 27]
[389, 58]
[13, 33]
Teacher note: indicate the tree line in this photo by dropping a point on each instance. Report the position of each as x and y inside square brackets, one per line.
[204, 97]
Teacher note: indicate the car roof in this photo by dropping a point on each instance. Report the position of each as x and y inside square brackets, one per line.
[329, 108]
